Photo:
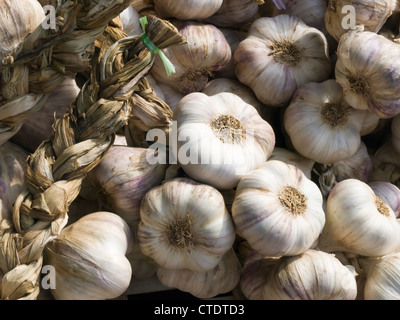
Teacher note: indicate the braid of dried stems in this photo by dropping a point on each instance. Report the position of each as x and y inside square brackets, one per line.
[78, 143]
[46, 56]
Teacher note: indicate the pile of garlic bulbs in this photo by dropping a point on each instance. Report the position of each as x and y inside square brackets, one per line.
[280, 176]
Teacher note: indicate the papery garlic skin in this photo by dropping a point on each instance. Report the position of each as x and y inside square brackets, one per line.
[357, 166]
[312, 13]
[254, 275]
[278, 210]
[185, 225]
[219, 85]
[313, 275]
[226, 137]
[89, 258]
[321, 125]
[130, 21]
[12, 176]
[279, 55]
[38, 127]
[234, 13]
[372, 14]
[382, 277]
[233, 37]
[186, 9]
[292, 157]
[369, 72]
[17, 20]
[203, 285]
[205, 51]
[359, 222]
[171, 95]
[122, 179]
[389, 193]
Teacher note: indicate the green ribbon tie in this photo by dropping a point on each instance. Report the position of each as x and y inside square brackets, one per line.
[169, 67]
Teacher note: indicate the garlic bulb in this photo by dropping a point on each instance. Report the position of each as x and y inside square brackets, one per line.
[313, 275]
[89, 258]
[122, 179]
[389, 193]
[292, 157]
[278, 210]
[205, 51]
[370, 124]
[38, 127]
[371, 14]
[234, 13]
[186, 9]
[321, 125]
[358, 166]
[358, 221]
[203, 285]
[382, 277]
[254, 275]
[185, 225]
[279, 55]
[225, 136]
[130, 21]
[12, 176]
[219, 85]
[17, 20]
[369, 72]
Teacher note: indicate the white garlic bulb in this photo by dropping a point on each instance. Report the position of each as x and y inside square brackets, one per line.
[122, 179]
[369, 72]
[382, 277]
[372, 14]
[203, 285]
[17, 20]
[89, 258]
[186, 9]
[12, 176]
[358, 221]
[279, 55]
[313, 275]
[225, 136]
[206, 51]
[321, 125]
[278, 210]
[185, 225]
